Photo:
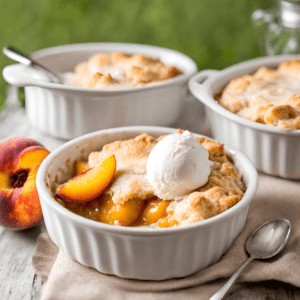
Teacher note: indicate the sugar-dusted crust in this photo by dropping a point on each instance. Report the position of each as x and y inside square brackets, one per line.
[130, 180]
[269, 96]
[119, 70]
[223, 189]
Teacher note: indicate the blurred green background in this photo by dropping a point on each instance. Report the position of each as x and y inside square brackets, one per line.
[215, 33]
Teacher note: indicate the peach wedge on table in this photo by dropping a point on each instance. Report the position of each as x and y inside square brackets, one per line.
[89, 184]
[20, 158]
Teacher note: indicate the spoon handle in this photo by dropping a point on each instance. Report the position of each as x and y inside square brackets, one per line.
[225, 288]
[16, 55]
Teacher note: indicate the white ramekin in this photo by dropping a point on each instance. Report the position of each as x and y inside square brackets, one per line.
[140, 253]
[68, 112]
[272, 151]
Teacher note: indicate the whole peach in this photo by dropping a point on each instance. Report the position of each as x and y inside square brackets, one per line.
[20, 158]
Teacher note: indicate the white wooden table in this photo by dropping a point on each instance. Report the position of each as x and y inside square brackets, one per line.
[17, 278]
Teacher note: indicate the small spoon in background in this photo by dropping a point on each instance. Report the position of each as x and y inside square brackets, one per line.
[265, 242]
[18, 56]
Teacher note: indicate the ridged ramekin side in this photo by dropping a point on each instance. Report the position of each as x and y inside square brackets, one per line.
[71, 115]
[272, 153]
[139, 253]
[146, 257]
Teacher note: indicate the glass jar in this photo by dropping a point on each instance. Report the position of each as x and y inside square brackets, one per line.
[279, 29]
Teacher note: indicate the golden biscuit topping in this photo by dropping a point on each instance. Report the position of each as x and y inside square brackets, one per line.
[269, 96]
[119, 70]
[130, 179]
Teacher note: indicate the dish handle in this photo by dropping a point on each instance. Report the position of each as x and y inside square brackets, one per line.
[21, 75]
[199, 83]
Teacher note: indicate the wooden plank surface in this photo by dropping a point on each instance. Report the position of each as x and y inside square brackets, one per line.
[17, 278]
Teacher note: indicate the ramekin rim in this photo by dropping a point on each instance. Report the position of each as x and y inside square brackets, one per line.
[209, 100]
[190, 63]
[44, 191]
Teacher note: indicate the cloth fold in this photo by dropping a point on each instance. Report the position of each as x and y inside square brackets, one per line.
[275, 198]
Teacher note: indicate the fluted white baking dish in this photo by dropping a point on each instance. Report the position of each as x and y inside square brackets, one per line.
[272, 151]
[132, 252]
[68, 112]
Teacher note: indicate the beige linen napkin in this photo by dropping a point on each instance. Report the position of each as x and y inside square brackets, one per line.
[275, 198]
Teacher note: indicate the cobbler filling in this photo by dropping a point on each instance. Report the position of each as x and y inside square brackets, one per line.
[130, 200]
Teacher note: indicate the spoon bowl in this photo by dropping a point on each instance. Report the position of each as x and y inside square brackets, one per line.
[268, 239]
[265, 242]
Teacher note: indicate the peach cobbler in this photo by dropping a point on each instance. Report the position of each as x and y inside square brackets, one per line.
[175, 180]
[269, 96]
[120, 70]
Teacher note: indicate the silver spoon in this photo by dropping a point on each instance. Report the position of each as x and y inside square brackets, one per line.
[18, 56]
[265, 242]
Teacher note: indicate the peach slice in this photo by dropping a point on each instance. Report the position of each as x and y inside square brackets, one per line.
[154, 209]
[80, 166]
[167, 221]
[119, 214]
[103, 209]
[90, 184]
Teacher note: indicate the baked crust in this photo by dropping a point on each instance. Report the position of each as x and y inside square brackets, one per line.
[119, 70]
[223, 189]
[130, 180]
[269, 96]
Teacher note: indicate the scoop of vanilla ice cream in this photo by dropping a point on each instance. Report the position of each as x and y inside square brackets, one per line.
[177, 165]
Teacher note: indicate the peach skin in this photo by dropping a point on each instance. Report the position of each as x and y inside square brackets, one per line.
[20, 158]
[89, 184]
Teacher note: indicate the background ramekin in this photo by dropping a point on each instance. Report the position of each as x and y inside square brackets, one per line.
[140, 253]
[272, 151]
[68, 112]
